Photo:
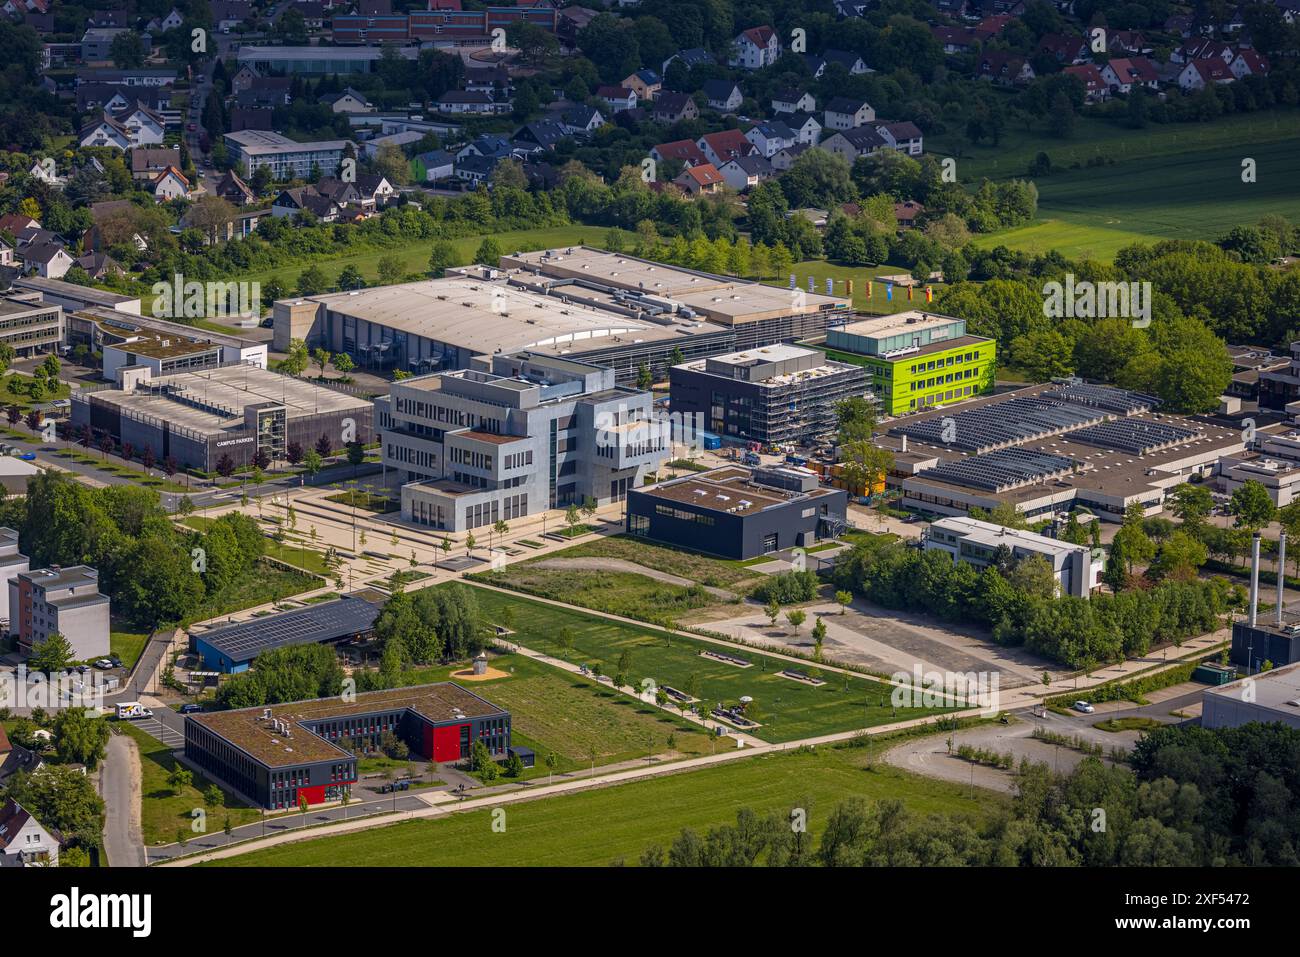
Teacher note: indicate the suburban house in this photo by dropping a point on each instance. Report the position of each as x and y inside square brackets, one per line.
[470, 101]
[746, 172]
[1095, 89]
[843, 113]
[860, 141]
[234, 190]
[435, 164]
[580, 119]
[170, 184]
[1065, 47]
[697, 180]
[1005, 69]
[305, 199]
[690, 59]
[686, 152]
[147, 163]
[646, 84]
[905, 136]
[349, 101]
[24, 842]
[45, 259]
[817, 63]
[1121, 75]
[1199, 74]
[145, 126]
[1248, 62]
[807, 128]
[770, 137]
[756, 48]
[99, 266]
[105, 131]
[785, 158]
[617, 98]
[723, 95]
[793, 101]
[674, 107]
[723, 146]
[907, 212]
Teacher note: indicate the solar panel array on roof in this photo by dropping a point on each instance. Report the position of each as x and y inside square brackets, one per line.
[1000, 423]
[327, 621]
[1103, 397]
[1001, 469]
[1135, 436]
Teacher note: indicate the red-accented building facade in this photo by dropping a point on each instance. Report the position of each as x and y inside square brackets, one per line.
[280, 755]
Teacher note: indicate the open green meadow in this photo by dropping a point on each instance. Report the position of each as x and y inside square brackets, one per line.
[1071, 240]
[415, 256]
[575, 717]
[597, 827]
[787, 710]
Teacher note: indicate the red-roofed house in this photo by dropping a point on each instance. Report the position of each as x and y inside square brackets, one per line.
[1122, 75]
[1066, 47]
[617, 98]
[23, 841]
[1199, 74]
[1248, 62]
[700, 179]
[721, 148]
[683, 151]
[1094, 85]
[756, 48]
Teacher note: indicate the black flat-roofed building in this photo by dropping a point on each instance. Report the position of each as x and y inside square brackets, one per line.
[232, 648]
[1252, 645]
[738, 513]
[772, 394]
[307, 750]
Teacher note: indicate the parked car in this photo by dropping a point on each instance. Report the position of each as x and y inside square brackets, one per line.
[28, 456]
[1084, 707]
[190, 708]
[82, 669]
[117, 662]
[103, 664]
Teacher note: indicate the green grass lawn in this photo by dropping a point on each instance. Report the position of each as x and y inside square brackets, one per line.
[596, 827]
[415, 256]
[878, 304]
[1097, 137]
[705, 569]
[22, 399]
[616, 592]
[557, 711]
[163, 811]
[1071, 240]
[127, 645]
[789, 710]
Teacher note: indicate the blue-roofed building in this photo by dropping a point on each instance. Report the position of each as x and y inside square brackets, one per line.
[232, 648]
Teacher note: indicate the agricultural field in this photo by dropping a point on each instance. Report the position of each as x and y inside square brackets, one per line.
[577, 718]
[787, 709]
[595, 828]
[1072, 240]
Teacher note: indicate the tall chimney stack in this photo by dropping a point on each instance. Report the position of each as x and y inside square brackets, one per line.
[1281, 573]
[1254, 579]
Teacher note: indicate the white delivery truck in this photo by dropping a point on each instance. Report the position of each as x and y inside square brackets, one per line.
[130, 710]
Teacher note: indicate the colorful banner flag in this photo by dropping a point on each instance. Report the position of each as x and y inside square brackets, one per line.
[793, 281]
[889, 291]
[909, 293]
[929, 294]
[830, 287]
[812, 284]
[870, 286]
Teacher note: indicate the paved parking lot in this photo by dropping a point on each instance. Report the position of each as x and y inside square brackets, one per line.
[165, 733]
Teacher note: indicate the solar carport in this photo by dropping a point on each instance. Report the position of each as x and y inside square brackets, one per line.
[232, 648]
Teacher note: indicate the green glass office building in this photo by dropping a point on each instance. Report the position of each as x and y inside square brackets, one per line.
[915, 360]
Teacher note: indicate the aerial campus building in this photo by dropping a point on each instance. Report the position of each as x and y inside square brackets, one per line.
[773, 394]
[231, 648]
[1050, 449]
[738, 513]
[515, 435]
[576, 303]
[30, 325]
[1273, 696]
[198, 418]
[916, 360]
[1076, 568]
[307, 750]
[62, 600]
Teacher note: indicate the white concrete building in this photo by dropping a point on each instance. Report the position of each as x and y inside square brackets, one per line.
[969, 540]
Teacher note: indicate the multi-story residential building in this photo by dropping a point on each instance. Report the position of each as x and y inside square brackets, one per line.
[1077, 568]
[756, 48]
[774, 394]
[306, 751]
[66, 601]
[916, 359]
[30, 325]
[253, 149]
[513, 436]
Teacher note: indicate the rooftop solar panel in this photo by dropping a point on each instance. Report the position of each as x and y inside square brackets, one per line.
[1135, 436]
[1002, 469]
[327, 621]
